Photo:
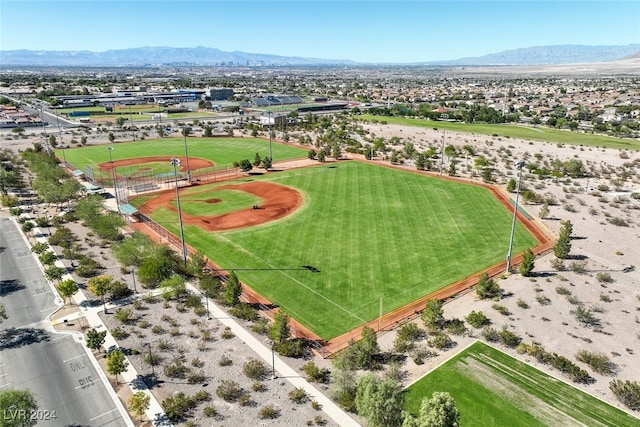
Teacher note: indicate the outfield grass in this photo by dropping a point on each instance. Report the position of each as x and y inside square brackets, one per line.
[222, 151]
[491, 388]
[534, 133]
[373, 232]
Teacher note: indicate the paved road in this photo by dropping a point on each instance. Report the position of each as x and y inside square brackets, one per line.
[55, 367]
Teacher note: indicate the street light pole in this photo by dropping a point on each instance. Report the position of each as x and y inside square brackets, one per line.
[133, 276]
[176, 162]
[153, 372]
[115, 183]
[444, 130]
[519, 166]
[185, 131]
[270, 151]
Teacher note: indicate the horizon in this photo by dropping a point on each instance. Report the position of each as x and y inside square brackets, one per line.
[362, 31]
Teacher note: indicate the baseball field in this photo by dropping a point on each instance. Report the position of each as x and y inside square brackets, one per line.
[491, 388]
[335, 243]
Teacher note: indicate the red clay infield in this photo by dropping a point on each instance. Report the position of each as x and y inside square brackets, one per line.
[194, 162]
[277, 202]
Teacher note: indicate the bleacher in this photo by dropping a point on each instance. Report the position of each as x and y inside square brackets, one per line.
[277, 100]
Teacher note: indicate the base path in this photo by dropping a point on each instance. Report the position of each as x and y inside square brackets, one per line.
[277, 202]
[194, 162]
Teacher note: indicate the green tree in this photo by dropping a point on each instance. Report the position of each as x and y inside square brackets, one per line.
[95, 339]
[48, 257]
[173, 287]
[156, 267]
[54, 273]
[486, 287]
[67, 289]
[100, 286]
[544, 210]
[439, 411]
[16, 407]
[433, 315]
[511, 185]
[381, 402]
[280, 328]
[111, 137]
[527, 265]
[267, 163]
[232, 290]
[563, 245]
[244, 165]
[257, 161]
[116, 363]
[120, 121]
[311, 154]
[139, 402]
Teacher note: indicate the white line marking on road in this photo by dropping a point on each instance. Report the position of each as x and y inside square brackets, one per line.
[82, 355]
[102, 415]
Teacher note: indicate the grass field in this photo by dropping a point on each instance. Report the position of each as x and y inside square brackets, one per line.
[534, 133]
[491, 388]
[222, 151]
[373, 232]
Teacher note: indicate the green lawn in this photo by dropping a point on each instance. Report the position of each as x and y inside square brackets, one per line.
[222, 151]
[373, 232]
[535, 133]
[491, 388]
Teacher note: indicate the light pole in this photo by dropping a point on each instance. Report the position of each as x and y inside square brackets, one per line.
[273, 358]
[176, 162]
[519, 166]
[153, 372]
[115, 183]
[206, 299]
[133, 276]
[185, 132]
[270, 151]
[444, 129]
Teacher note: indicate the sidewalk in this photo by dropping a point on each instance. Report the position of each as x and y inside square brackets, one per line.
[155, 413]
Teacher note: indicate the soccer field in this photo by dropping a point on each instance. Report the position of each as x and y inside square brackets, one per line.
[222, 151]
[375, 234]
[491, 388]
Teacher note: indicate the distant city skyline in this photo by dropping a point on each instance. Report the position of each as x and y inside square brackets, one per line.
[359, 30]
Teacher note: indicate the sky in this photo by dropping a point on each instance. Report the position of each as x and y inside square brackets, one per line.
[357, 30]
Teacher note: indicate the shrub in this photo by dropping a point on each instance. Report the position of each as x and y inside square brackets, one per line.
[178, 407]
[225, 361]
[227, 334]
[119, 333]
[157, 329]
[268, 412]
[561, 290]
[290, 348]
[258, 386]
[509, 338]
[456, 327]
[229, 391]
[487, 288]
[440, 341]
[627, 392]
[604, 277]
[244, 311]
[490, 334]
[315, 374]
[176, 369]
[578, 267]
[543, 300]
[209, 411]
[164, 345]
[298, 395]
[558, 264]
[123, 315]
[254, 369]
[477, 319]
[260, 326]
[522, 303]
[585, 316]
[196, 377]
[501, 309]
[599, 362]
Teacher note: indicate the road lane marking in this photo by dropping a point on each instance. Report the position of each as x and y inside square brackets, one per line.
[102, 415]
[89, 383]
[82, 355]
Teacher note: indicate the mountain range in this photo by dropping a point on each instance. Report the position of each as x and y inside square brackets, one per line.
[205, 56]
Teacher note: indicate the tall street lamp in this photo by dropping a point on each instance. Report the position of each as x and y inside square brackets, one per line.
[444, 129]
[133, 276]
[185, 132]
[176, 163]
[113, 175]
[151, 362]
[270, 151]
[519, 166]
